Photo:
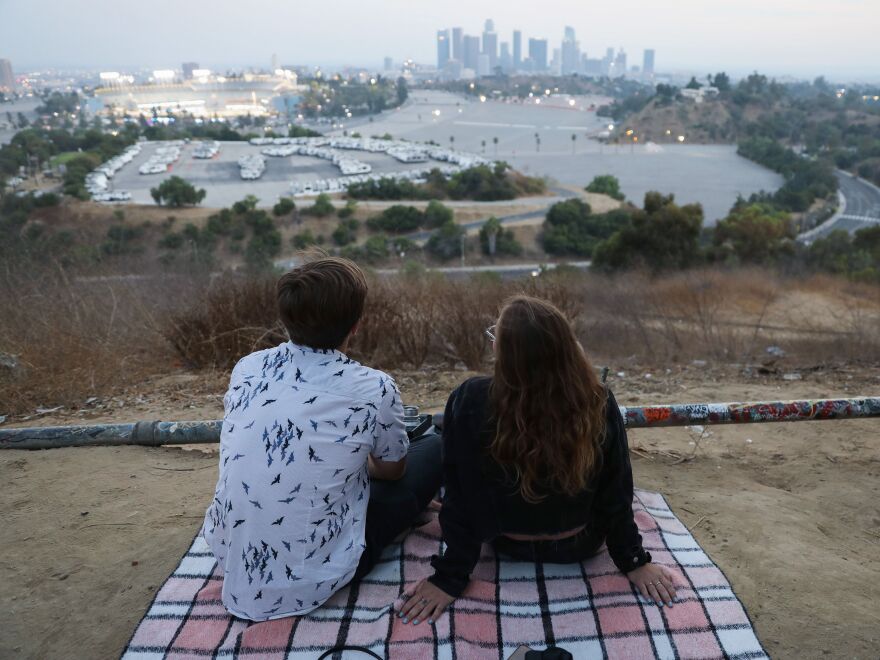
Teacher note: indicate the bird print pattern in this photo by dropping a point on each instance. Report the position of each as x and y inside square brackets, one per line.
[287, 520]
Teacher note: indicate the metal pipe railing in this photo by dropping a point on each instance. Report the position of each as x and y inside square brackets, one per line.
[183, 433]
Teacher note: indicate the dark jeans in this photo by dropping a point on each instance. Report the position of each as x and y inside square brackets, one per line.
[582, 545]
[395, 505]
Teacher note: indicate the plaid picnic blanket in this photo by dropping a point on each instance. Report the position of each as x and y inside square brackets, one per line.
[589, 609]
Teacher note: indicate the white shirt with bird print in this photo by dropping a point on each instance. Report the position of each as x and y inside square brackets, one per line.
[287, 521]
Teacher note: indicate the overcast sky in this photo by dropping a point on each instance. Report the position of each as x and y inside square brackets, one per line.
[837, 38]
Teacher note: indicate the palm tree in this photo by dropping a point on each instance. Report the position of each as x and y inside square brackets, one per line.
[484, 146]
[537, 142]
[574, 138]
[495, 142]
[451, 141]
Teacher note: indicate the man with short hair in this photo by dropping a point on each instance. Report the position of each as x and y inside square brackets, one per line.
[306, 429]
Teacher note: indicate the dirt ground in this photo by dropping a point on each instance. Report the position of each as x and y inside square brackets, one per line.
[788, 511]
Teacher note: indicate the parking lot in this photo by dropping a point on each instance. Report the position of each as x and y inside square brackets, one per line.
[220, 178]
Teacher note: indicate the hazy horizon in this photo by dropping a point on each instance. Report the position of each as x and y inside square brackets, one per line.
[778, 37]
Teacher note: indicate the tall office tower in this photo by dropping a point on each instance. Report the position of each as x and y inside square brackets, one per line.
[538, 54]
[484, 65]
[457, 51]
[442, 48]
[7, 80]
[471, 46]
[517, 50]
[556, 62]
[490, 43]
[608, 62]
[648, 62]
[620, 63]
[505, 61]
[571, 53]
[189, 67]
[389, 64]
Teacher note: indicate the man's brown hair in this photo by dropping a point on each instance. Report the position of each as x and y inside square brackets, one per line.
[320, 301]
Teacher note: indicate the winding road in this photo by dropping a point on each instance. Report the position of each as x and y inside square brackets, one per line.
[859, 208]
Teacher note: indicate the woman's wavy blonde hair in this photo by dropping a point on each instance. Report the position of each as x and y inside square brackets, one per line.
[547, 401]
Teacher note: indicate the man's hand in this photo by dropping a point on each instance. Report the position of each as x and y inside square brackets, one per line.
[424, 602]
[656, 583]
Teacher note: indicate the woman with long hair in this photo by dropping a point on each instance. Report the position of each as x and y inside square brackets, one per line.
[535, 461]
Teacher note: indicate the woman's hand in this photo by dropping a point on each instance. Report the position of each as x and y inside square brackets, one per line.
[656, 583]
[423, 601]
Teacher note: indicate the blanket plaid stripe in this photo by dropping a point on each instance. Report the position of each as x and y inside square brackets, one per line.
[590, 608]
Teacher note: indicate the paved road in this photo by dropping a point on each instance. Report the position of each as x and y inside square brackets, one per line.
[860, 208]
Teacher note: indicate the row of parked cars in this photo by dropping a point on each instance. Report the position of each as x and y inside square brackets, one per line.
[252, 167]
[98, 180]
[304, 189]
[164, 155]
[206, 150]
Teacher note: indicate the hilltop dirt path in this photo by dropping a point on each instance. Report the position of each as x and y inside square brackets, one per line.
[789, 511]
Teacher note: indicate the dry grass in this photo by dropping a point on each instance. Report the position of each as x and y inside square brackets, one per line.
[76, 338]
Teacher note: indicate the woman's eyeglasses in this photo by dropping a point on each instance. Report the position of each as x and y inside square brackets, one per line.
[490, 332]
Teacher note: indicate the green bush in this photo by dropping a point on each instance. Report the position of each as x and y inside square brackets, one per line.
[445, 242]
[397, 219]
[304, 239]
[321, 208]
[570, 228]
[345, 232]
[605, 184]
[754, 233]
[437, 215]
[285, 206]
[348, 210]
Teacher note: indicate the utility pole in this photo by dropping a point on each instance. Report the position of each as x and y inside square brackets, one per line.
[463, 236]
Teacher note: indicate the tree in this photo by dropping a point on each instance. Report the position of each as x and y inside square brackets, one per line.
[721, 82]
[495, 142]
[402, 90]
[754, 233]
[662, 236]
[436, 215]
[176, 192]
[693, 84]
[495, 239]
[348, 210]
[445, 243]
[605, 184]
[574, 138]
[249, 203]
[285, 206]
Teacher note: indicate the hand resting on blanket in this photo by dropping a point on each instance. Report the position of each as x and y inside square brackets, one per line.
[655, 583]
[423, 601]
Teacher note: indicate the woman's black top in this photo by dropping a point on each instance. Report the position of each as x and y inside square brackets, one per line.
[481, 502]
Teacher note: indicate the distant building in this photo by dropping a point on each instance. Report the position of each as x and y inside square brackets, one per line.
[490, 43]
[505, 61]
[188, 68]
[484, 64]
[471, 46]
[517, 50]
[648, 62]
[453, 69]
[592, 67]
[443, 47]
[389, 64]
[571, 53]
[538, 54]
[275, 66]
[457, 45]
[556, 62]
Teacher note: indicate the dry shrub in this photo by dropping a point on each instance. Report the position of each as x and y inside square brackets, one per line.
[233, 317]
[72, 339]
[467, 309]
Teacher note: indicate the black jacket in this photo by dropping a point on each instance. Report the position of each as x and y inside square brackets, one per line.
[481, 502]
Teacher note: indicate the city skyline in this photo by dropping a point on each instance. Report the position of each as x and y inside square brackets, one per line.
[781, 37]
